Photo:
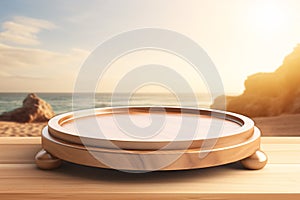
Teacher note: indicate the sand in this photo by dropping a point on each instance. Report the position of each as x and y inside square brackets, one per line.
[14, 129]
[283, 125]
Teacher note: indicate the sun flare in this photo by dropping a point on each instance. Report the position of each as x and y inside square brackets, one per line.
[268, 18]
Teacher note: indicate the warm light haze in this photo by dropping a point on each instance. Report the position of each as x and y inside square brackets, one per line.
[44, 43]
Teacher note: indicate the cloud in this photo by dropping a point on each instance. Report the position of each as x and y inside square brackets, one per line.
[32, 62]
[31, 69]
[24, 30]
[25, 68]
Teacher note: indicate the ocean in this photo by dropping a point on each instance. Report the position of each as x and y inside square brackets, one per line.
[62, 102]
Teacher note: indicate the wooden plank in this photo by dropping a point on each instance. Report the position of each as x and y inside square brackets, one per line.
[20, 140]
[147, 196]
[282, 153]
[281, 149]
[75, 179]
[280, 140]
[19, 149]
[22, 150]
[20, 178]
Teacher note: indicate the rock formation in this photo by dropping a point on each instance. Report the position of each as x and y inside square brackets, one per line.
[34, 109]
[270, 94]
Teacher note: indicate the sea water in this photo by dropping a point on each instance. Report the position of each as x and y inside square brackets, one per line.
[62, 102]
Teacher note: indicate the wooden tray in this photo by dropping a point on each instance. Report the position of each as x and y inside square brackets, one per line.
[143, 160]
[239, 140]
[236, 128]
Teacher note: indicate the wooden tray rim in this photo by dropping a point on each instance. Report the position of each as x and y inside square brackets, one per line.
[241, 134]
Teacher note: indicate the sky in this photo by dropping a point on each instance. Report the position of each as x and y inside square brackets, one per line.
[43, 44]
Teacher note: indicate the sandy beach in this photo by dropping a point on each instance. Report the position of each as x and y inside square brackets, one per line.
[283, 125]
[14, 129]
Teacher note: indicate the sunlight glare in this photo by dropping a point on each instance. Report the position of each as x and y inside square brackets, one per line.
[268, 18]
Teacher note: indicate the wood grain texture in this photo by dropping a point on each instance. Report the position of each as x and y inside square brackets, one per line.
[142, 160]
[15, 150]
[20, 178]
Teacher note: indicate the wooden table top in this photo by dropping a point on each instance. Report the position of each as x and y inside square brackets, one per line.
[20, 179]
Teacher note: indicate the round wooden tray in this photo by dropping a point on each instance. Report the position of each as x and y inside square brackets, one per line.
[98, 128]
[145, 160]
[101, 141]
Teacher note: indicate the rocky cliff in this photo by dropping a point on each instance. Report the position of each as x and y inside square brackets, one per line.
[270, 94]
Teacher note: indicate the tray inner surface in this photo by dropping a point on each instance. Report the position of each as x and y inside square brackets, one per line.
[141, 126]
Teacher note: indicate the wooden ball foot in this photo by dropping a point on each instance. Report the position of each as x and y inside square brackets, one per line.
[45, 160]
[256, 161]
